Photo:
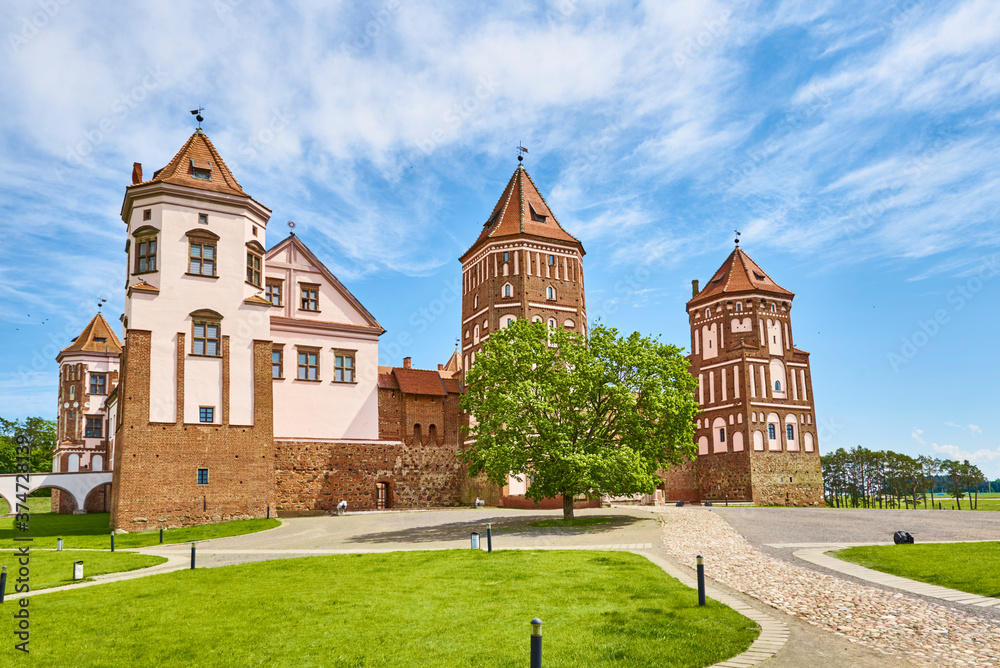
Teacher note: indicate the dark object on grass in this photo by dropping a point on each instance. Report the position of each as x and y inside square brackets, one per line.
[701, 580]
[707, 503]
[536, 643]
[679, 504]
[902, 538]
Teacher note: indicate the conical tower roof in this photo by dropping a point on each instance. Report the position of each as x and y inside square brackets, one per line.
[521, 210]
[199, 154]
[739, 274]
[89, 339]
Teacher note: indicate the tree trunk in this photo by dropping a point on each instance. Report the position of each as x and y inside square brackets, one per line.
[567, 506]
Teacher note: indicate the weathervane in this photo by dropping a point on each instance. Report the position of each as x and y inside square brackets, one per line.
[291, 227]
[520, 152]
[100, 304]
[197, 115]
[737, 238]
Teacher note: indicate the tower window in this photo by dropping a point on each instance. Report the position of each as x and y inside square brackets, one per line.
[273, 292]
[552, 260]
[202, 476]
[147, 214]
[508, 290]
[774, 308]
[708, 313]
[253, 268]
[203, 218]
[771, 432]
[722, 435]
[552, 323]
[95, 427]
[777, 386]
[790, 432]
[475, 302]
[145, 254]
[202, 259]
[739, 306]
[206, 339]
[506, 256]
[206, 414]
[98, 383]
[550, 292]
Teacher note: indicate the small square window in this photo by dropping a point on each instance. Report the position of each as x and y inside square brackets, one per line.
[343, 364]
[202, 476]
[95, 427]
[203, 218]
[147, 214]
[310, 298]
[206, 414]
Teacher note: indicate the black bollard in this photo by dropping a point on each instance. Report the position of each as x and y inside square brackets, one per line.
[701, 580]
[536, 643]
[3, 583]
[269, 511]
[161, 535]
[727, 500]
[192, 556]
[489, 537]
[112, 541]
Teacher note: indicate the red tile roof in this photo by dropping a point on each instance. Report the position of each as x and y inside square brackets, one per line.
[521, 209]
[199, 152]
[97, 328]
[739, 274]
[417, 381]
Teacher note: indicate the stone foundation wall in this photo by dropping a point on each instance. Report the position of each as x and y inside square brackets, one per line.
[313, 476]
[787, 478]
[726, 474]
[520, 501]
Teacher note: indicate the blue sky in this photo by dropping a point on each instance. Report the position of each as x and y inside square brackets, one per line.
[854, 144]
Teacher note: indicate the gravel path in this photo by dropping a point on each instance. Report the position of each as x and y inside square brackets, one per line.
[925, 633]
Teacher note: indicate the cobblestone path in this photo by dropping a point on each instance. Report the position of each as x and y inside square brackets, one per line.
[926, 634]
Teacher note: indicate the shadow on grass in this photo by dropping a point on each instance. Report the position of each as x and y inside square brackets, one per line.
[502, 526]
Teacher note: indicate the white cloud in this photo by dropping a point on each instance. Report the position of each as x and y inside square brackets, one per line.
[917, 436]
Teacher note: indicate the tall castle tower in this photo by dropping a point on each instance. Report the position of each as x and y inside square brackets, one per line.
[194, 438]
[757, 434]
[523, 265]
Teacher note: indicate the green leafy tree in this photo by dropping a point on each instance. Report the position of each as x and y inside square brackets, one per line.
[597, 415]
[42, 435]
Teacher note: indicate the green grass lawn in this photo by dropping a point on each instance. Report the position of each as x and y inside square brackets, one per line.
[51, 569]
[92, 531]
[969, 567]
[37, 505]
[575, 522]
[437, 608]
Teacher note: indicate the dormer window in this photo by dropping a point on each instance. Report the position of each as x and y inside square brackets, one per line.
[758, 276]
[535, 216]
[201, 169]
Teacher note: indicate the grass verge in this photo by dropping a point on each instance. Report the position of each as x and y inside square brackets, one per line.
[968, 567]
[53, 569]
[438, 608]
[92, 531]
[37, 505]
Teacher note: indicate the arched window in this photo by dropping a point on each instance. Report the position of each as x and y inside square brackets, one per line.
[777, 386]
[774, 309]
[739, 306]
[506, 321]
[536, 318]
[508, 290]
[96, 463]
[73, 464]
[486, 324]
[569, 324]
[708, 313]
[552, 323]
[475, 302]
[475, 334]
[550, 292]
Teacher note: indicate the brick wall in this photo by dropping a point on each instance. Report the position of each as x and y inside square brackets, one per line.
[155, 472]
[680, 482]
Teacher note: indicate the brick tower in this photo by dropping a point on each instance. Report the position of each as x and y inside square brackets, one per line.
[194, 437]
[523, 265]
[757, 434]
[88, 374]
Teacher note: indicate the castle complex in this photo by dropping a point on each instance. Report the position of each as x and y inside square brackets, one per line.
[248, 381]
